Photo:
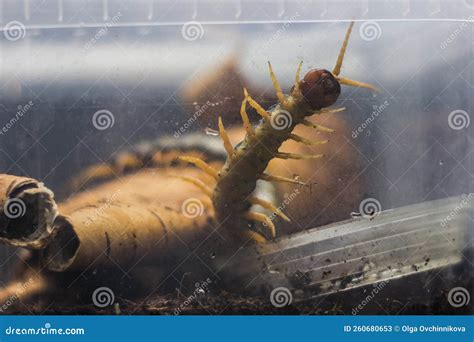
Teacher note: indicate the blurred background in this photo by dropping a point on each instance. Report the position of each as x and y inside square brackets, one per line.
[141, 63]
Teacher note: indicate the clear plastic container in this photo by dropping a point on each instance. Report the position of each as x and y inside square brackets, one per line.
[140, 66]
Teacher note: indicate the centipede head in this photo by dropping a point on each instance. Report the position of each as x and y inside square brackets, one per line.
[319, 88]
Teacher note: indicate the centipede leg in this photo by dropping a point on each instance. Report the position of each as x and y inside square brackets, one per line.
[316, 126]
[197, 183]
[269, 206]
[255, 237]
[262, 218]
[245, 118]
[307, 141]
[280, 179]
[330, 110]
[254, 104]
[297, 77]
[201, 164]
[276, 85]
[283, 155]
[225, 139]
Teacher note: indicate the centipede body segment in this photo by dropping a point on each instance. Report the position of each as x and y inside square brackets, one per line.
[232, 195]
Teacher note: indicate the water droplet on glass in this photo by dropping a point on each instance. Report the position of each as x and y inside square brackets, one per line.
[210, 131]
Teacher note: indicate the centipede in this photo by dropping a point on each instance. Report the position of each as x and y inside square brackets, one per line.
[232, 191]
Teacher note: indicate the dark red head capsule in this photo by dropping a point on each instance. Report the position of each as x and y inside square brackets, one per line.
[319, 88]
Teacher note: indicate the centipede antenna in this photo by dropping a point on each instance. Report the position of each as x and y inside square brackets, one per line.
[269, 206]
[254, 104]
[272, 178]
[337, 68]
[201, 164]
[245, 118]
[283, 155]
[316, 126]
[225, 139]
[197, 183]
[259, 217]
[276, 85]
[307, 141]
[297, 76]
[352, 83]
